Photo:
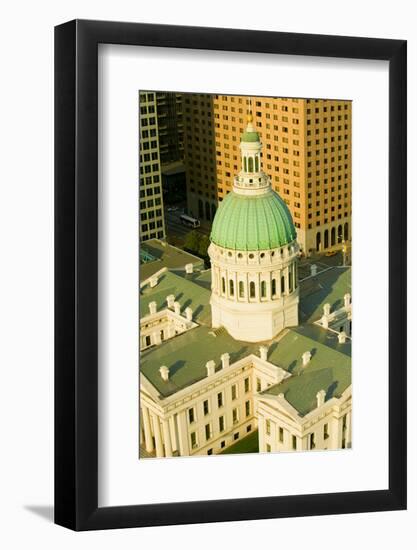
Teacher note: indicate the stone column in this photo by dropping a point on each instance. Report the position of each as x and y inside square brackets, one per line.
[173, 431]
[348, 434]
[183, 434]
[167, 438]
[247, 287]
[147, 427]
[158, 438]
[261, 433]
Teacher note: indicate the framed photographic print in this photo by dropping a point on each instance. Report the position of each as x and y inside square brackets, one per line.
[230, 275]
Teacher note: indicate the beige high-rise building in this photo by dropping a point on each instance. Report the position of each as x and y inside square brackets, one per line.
[150, 182]
[306, 151]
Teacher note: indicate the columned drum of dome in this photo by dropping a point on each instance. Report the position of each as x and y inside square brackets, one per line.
[254, 254]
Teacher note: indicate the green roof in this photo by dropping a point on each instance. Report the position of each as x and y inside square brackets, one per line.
[156, 254]
[329, 368]
[186, 356]
[249, 137]
[327, 287]
[252, 222]
[187, 293]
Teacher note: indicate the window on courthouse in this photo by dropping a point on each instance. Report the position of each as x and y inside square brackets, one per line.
[234, 392]
[206, 407]
[220, 399]
[191, 415]
[208, 431]
[294, 442]
[247, 385]
[193, 437]
[235, 416]
[268, 427]
[281, 435]
[221, 423]
[247, 408]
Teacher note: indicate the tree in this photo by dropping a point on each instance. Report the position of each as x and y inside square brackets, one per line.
[203, 246]
[192, 241]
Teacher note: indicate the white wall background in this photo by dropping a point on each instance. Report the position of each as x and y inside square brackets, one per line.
[26, 300]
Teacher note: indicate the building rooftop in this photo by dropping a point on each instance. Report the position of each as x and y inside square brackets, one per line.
[187, 293]
[156, 254]
[186, 355]
[329, 368]
[326, 287]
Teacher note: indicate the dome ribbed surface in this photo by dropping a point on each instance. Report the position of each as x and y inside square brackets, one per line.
[259, 222]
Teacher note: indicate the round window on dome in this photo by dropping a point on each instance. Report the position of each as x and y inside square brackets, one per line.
[240, 255]
[262, 254]
[251, 256]
[272, 253]
[229, 254]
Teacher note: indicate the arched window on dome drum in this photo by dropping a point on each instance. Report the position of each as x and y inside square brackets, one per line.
[245, 164]
[290, 282]
[250, 164]
[256, 164]
[223, 285]
[231, 288]
[241, 290]
[282, 284]
[252, 289]
[263, 289]
[274, 287]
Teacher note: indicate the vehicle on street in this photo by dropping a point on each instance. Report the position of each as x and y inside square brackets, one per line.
[331, 253]
[189, 220]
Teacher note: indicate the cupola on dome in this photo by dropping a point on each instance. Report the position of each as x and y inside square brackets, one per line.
[252, 216]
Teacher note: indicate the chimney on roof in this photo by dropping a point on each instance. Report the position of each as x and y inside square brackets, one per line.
[211, 367]
[306, 358]
[225, 357]
[313, 270]
[263, 352]
[346, 298]
[170, 301]
[177, 308]
[189, 268]
[153, 281]
[321, 397]
[152, 308]
[164, 372]
[342, 337]
[281, 396]
[326, 309]
[189, 314]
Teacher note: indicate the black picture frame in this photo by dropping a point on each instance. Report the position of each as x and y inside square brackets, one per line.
[76, 272]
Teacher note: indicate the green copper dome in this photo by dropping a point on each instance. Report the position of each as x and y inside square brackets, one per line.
[249, 137]
[252, 222]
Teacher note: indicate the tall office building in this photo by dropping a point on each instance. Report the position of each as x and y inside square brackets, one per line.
[306, 152]
[170, 127]
[150, 189]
